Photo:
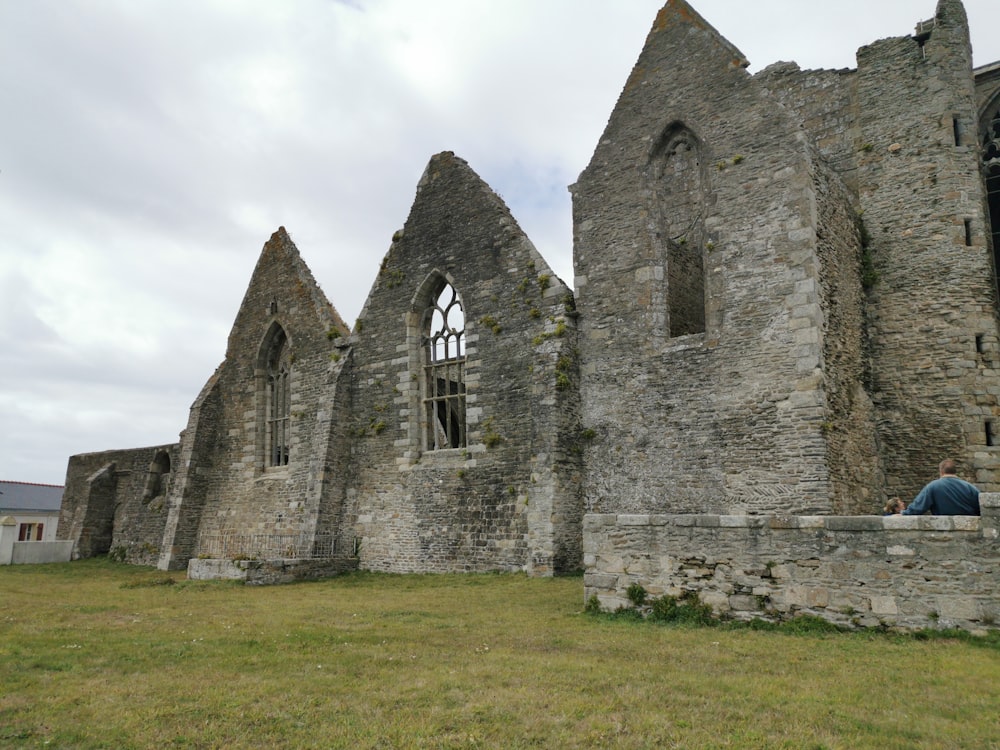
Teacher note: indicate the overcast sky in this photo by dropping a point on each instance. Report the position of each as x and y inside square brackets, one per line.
[148, 149]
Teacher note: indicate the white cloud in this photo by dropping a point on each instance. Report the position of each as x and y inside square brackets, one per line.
[149, 149]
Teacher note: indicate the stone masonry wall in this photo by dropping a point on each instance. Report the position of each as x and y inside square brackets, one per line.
[849, 426]
[894, 571]
[825, 103]
[506, 500]
[233, 490]
[106, 508]
[932, 308]
[732, 419]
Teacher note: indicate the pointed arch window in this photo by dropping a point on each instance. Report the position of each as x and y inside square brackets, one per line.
[678, 184]
[278, 401]
[443, 334]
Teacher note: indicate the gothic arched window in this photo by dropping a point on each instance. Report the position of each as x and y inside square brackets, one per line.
[278, 400]
[678, 184]
[443, 335]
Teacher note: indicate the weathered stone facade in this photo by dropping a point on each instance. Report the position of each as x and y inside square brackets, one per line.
[849, 332]
[785, 305]
[116, 502]
[314, 442]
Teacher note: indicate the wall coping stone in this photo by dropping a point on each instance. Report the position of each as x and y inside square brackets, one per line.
[595, 521]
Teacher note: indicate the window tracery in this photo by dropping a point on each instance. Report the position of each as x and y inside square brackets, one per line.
[444, 371]
[278, 401]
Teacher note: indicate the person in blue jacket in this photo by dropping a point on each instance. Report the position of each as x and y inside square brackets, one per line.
[946, 496]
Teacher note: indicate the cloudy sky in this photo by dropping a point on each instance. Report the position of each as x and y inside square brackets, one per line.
[148, 148]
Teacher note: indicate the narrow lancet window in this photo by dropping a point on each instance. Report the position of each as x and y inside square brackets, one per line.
[991, 172]
[678, 185]
[444, 371]
[278, 406]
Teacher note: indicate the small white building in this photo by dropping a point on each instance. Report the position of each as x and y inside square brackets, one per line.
[34, 508]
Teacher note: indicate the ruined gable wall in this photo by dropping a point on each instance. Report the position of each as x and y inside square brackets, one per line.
[502, 502]
[240, 494]
[730, 418]
[934, 338]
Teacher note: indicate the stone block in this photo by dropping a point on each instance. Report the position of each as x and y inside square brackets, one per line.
[989, 501]
[733, 522]
[706, 521]
[936, 523]
[900, 522]
[625, 519]
[959, 608]
[603, 581]
[717, 600]
[854, 523]
[743, 603]
[811, 522]
[966, 523]
[783, 522]
[883, 605]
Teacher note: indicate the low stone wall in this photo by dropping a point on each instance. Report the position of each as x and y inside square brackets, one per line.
[896, 571]
[34, 553]
[263, 572]
[13, 552]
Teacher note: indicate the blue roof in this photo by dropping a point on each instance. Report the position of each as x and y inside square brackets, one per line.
[24, 496]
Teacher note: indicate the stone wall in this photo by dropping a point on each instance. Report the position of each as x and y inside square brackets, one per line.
[734, 418]
[229, 482]
[507, 499]
[786, 308]
[893, 571]
[825, 103]
[267, 572]
[934, 344]
[115, 501]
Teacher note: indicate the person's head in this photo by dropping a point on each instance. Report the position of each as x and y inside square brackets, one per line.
[895, 505]
[947, 468]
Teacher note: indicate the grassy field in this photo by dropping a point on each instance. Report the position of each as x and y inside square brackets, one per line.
[98, 655]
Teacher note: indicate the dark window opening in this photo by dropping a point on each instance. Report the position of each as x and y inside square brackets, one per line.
[989, 431]
[968, 232]
[677, 187]
[158, 475]
[956, 129]
[923, 33]
[30, 532]
[979, 343]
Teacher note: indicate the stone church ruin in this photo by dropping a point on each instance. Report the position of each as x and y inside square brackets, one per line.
[786, 311]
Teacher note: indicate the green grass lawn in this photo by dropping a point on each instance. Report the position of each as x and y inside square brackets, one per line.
[99, 655]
